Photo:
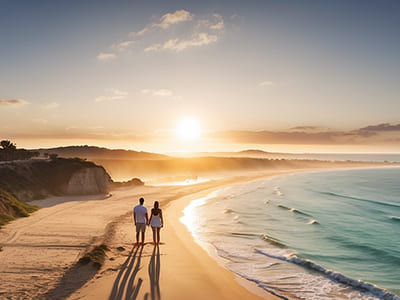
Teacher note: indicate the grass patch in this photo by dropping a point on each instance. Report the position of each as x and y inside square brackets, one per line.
[5, 218]
[11, 208]
[97, 256]
[22, 209]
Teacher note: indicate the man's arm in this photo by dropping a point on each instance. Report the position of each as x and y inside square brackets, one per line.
[134, 218]
[147, 219]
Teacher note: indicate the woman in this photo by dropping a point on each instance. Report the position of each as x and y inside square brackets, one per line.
[156, 222]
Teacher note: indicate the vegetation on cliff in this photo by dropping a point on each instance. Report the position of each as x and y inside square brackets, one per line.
[10, 208]
[9, 151]
[93, 152]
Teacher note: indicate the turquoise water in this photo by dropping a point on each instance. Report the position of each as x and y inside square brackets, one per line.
[322, 235]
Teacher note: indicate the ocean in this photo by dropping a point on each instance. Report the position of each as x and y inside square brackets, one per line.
[319, 235]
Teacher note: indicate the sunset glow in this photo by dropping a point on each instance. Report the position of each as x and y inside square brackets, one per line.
[269, 75]
[189, 129]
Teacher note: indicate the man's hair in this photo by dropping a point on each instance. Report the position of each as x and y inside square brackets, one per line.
[141, 200]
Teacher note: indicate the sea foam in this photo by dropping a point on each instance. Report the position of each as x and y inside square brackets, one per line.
[338, 277]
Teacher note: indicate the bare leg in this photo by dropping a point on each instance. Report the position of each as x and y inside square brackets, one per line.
[158, 235]
[154, 234]
[137, 238]
[142, 238]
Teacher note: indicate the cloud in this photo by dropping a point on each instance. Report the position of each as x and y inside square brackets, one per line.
[121, 46]
[381, 127]
[309, 128]
[219, 25]
[114, 94]
[280, 137]
[106, 56]
[199, 33]
[216, 23]
[178, 45]
[139, 33]
[314, 135]
[178, 16]
[50, 105]
[165, 22]
[12, 102]
[158, 92]
[154, 47]
[81, 133]
[266, 83]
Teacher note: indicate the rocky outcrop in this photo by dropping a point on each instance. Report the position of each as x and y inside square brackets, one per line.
[129, 183]
[88, 181]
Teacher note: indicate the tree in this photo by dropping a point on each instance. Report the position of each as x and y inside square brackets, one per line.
[8, 146]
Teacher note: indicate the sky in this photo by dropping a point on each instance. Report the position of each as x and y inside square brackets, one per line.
[290, 76]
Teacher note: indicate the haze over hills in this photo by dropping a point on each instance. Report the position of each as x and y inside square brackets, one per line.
[256, 153]
[94, 152]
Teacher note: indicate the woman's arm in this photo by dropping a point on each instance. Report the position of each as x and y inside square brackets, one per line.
[161, 217]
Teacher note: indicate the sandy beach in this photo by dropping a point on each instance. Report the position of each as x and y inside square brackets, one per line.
[39, 254]
[178, 269]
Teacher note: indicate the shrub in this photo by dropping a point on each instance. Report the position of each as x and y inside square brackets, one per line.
[5, 218]
[97, 256]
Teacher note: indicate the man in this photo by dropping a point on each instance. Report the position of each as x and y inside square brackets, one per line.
[141, 219]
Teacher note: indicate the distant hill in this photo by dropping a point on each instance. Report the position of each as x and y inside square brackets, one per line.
[244, 153]
[93, 152]
[255, 152]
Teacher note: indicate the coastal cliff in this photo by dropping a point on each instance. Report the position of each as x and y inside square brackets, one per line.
[88, 181]
[22, 181]
[37, 179]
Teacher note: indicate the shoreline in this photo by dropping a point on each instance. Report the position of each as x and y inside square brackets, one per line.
[40, 252]
[358, 285]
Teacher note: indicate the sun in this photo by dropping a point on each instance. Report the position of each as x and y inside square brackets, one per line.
[189, 129]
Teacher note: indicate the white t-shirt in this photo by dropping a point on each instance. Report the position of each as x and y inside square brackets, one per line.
[141, 212]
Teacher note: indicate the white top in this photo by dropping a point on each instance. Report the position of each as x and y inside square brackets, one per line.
[141, 212]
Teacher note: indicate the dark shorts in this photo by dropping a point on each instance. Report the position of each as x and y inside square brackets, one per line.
[140, 227]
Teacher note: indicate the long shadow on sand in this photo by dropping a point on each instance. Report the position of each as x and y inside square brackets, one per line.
[154, 274]
[72, 280]
[124, 285]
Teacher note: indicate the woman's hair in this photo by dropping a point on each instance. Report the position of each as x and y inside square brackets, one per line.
[155, 204]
